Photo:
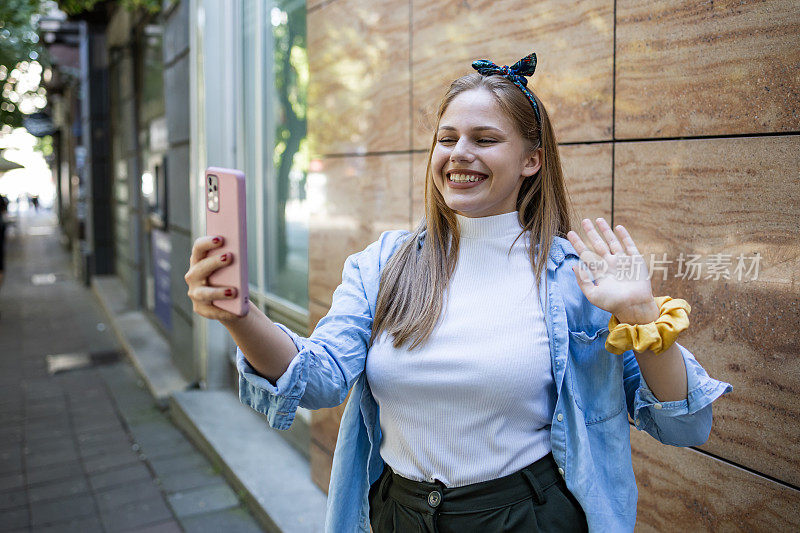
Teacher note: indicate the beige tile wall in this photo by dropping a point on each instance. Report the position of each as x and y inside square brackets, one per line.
[355, 199]
[358, 57]
[731, 197]
[651, 127]
[707, 68]
[574, 48]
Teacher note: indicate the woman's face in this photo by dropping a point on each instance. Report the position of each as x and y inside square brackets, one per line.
[475, 139]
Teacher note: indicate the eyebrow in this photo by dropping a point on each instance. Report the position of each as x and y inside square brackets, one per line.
[476, 128]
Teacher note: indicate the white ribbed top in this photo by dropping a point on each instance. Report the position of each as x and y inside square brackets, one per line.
[475, 402]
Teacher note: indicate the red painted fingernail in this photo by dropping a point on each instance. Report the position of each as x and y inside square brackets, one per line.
[228, 292]
[215, 240]
[223, 257]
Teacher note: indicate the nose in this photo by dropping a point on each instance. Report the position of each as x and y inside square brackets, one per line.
[461, 151]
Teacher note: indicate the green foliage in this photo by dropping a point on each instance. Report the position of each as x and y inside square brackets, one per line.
[75, 7]
[20, 47]
[19, 43]
[291, 87]
[44, 145]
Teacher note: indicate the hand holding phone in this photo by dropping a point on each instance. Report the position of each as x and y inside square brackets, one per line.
[200, 292]
[217, 276]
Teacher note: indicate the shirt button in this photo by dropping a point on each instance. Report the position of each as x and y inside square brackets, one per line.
[561, 471]
[560, 417]
[434, 498]
[658, 406]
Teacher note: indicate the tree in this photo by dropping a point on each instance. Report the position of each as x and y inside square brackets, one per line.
[22, 56]
[19, 52]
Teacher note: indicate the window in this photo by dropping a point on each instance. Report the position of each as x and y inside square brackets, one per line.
[273, 151]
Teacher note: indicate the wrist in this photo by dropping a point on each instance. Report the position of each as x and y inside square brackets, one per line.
[642, 313]
[232, 321]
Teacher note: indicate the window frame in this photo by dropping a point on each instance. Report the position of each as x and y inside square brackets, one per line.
[278, 309]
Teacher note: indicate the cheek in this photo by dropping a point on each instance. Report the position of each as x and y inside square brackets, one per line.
[438, 159]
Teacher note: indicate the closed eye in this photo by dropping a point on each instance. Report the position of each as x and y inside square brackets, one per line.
[485, 141]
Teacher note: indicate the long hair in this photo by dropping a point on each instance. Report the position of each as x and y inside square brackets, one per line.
[413, 282]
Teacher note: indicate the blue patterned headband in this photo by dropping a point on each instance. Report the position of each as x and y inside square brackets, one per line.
[515, 73]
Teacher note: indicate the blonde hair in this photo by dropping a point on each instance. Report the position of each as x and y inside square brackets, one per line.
[412, 283]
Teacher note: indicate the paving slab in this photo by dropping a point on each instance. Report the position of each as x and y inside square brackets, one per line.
[94, 465]
[58, 489]
[12, 500]
[120, 476]
[11, 482]
[170, 526]
[97, 450]
[164, 466]
[203, 500]
[112, 498]
[48, 474]
[175, 449]
[62, 509]
[90, 524]
[15, 519]
[137, 515]
[228, 520]
[189, 479]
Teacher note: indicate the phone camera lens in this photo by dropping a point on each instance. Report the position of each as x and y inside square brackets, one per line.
[210, 181]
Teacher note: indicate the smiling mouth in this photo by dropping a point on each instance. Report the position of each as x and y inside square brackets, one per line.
[465, 177]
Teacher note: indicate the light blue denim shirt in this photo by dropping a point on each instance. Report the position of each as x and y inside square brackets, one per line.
[590, 431]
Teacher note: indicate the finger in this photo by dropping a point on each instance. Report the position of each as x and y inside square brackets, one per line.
[202, 245]
[626, 239]
[590, 261]
[200, 271]
[213, 312]
[576, 242]
[583, 277]
[598, 244]
[206, 294]
[592, 265]
[608, 233]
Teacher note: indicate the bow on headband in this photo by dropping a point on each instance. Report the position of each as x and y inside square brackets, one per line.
[515, 73]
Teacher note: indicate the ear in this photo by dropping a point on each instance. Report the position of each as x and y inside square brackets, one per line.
[532, 163]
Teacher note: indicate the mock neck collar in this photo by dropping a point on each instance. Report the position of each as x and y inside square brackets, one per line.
[491, 227]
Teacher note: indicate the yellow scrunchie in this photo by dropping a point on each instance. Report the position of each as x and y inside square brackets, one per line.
[657, 335]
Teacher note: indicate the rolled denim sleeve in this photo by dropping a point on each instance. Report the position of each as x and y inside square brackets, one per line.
[679, 423]
[330, 360]
[278, 401]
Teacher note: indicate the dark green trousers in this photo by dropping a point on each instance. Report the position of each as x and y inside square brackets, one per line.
[533, 499]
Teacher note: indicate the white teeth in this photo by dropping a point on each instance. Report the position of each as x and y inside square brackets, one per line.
[462, 178]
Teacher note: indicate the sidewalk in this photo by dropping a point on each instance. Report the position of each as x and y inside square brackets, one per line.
[87, 449]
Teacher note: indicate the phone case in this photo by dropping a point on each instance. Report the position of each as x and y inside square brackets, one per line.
[230, 222]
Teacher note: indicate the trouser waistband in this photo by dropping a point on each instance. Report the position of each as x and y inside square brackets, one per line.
[423, 496]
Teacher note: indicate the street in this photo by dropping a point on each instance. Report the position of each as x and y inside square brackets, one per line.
[83, 446]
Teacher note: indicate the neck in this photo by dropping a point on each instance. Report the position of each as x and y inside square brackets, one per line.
[491, 227]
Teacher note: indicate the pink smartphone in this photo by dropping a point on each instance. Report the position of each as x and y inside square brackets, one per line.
[226, 217]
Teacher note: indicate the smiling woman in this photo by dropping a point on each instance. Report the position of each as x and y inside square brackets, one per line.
[485, 126]
[482, 156]
[482, 394]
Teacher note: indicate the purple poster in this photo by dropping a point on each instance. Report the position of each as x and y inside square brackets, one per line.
[161, 267]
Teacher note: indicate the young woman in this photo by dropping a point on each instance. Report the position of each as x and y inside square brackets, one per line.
[492, 361]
